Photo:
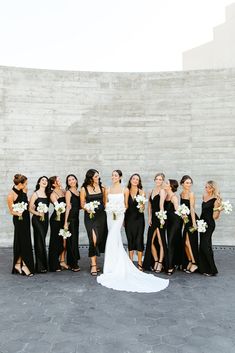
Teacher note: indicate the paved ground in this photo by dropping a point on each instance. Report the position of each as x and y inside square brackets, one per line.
[70, 313]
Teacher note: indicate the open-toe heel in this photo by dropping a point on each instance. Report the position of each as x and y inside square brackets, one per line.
[140, 267]
[26, 271]
[18, 269]
[63, 265]
[195, 267]
[159, 267]
[93, 273]
[153, 268]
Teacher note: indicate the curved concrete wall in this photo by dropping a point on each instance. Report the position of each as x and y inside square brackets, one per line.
[59, 122]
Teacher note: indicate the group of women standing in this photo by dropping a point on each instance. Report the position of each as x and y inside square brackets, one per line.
[171, 244]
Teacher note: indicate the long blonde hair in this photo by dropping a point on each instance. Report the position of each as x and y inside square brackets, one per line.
[216, 191]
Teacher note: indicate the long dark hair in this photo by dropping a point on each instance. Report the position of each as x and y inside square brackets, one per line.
[119, 173]
[52, 181]
[89, 179]
[67, 178]
[139, 186]
[47, 189]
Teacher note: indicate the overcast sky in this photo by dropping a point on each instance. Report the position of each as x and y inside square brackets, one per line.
[105, 35]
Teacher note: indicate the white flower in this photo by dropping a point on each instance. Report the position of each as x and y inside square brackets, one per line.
[42, 208]
[64, 233]
[161, 215]
[201, 226]
[20, 207]
[59, 208]
[227, 207]
[115, 208]
[91, 206]
[183, 211]
[141, 200]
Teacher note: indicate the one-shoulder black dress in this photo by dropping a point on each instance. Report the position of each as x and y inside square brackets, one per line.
[193, 236]
[134, 226]
[206, 256]
[56, 246]
[22, 246]
[98, 223]
[39, 233]
[73, 254]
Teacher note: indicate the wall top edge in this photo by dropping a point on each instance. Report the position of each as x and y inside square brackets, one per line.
[117, 73]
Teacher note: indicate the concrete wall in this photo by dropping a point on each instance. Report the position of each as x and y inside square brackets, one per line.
[60, 122]
[218, 53]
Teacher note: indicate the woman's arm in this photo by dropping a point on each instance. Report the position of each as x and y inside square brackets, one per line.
[150, 211]
[83, 198]
[68, 208]
[217, 205]
[53, 198]
[10, 201]
[175, 202]
[192, 208]
[32, 205]
[126, 197]
[162, 199]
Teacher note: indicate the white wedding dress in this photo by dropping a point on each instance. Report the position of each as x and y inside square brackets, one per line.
[119, 272]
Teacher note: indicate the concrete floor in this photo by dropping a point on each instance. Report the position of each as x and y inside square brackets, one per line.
[70, 313]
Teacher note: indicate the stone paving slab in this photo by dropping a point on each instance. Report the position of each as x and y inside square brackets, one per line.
[69, 312]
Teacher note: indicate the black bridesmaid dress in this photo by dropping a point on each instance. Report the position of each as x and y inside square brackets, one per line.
[206, 256]
[39, 232]
[22, 246]
[174, 238]
[56, 246]
[193, 236]
[134, 226]
[98, 223]
[73, 254]
[148, 262]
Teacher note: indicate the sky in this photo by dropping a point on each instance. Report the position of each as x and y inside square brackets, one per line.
[105, 35]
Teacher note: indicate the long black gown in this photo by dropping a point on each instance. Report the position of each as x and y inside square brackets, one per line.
[134, 226]
[174, 238]
[206, 256]
[39, 233]
[22, 246]
[193, 236]
[148, 262]
[98, 223]
[73, 254]
[56, 246]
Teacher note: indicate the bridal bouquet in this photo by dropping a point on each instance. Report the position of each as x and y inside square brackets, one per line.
[161, 215]
[91, 206]
[115, 208]
[59, 208]
[42, 208]
[183, 211]
[201, 226]
[20, 207]
[225, 206]
[64, 233]
[141, 200]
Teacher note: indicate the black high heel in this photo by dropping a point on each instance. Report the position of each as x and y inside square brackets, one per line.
[140, 268]
[153, 269]
[196, 267]
[93, 273]
[159, 270]
[170, 273]
[26, 272]
[18, 270]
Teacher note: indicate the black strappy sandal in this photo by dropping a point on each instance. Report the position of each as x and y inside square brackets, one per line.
[158, 271]
[93, 273]
[140, 268]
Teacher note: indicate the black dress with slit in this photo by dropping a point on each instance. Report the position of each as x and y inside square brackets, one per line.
[174, 238]
[98, 224]
[148, 262]
[206, 256]
[134, 226]
[22, 246]
[192, 236]
[40, 228]
[73, 254]
[56, 246]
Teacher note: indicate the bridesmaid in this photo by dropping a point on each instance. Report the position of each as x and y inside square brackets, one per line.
[134, 220]
[23, 262]
[174, 224]
[210, 212]
[71, 222]
[190, 234]
[92, 190]
[156, 240]
[57, 245]
[40, 223]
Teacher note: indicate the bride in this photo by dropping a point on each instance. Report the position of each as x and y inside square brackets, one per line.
[119, 272]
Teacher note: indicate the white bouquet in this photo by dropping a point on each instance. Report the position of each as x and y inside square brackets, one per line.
[59, 208]
[183, 211]
[115, 208]
[226, 206]
[141, 200]
[64, 233]
[161, 215]
[42, 208]
[20, 207]
[91, 206]
[201, 226]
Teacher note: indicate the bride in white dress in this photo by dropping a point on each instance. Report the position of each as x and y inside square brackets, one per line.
[119, 272]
